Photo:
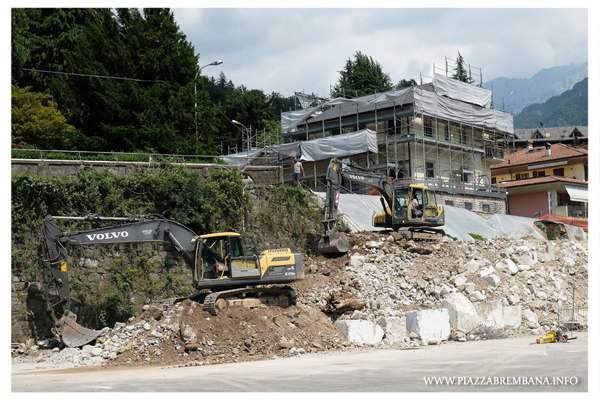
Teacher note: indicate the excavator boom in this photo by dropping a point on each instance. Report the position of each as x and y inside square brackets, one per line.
[412, 220]
[130, 230]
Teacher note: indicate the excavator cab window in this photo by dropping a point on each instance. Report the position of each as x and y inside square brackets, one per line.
[213, 257]
[401, 202]
[244, 258]
[430, 205]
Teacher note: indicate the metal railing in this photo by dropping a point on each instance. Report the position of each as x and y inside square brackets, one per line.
[78, 155]
[573, 319]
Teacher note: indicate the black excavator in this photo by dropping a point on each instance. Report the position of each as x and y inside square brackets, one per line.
[411, 210]
[224, 265]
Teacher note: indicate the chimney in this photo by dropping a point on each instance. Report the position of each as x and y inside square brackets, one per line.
[530, 144]
[548, 151]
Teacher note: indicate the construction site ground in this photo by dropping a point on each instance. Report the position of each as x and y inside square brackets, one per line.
[186, 336]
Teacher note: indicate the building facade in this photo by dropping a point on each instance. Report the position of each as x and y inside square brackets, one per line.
[444, 134]
[550, 179]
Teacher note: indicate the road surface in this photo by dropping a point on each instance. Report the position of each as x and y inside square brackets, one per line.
[508, 365]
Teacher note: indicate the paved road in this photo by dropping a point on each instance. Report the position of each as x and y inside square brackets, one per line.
[364, 370]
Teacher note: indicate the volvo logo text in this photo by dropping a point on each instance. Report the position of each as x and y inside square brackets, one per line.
[362, 178]
[108, 235]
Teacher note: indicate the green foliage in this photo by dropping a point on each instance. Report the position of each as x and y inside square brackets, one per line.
[152, 109]
[476, 236]
[35, 121]
[452, 237]
[360, 77]
[286, 210]
[460, 72]
[406, 83]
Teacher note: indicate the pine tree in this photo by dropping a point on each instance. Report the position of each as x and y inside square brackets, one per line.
[361, 76]
[460, 72]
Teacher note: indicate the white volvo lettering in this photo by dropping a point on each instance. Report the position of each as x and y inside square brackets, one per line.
[108, 235]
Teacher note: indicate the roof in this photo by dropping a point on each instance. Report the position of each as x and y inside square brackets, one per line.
[551, 133]
[350, 109]
[540, 180]
[535, 155]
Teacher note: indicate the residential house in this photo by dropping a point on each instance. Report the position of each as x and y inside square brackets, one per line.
[550, 179]
[574, 136]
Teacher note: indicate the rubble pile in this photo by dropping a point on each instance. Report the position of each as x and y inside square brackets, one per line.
[387, 292]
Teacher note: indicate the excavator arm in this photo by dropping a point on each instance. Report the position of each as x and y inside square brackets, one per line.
[333, 241]
[128, 230]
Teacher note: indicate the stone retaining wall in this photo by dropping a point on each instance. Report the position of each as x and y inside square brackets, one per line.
[268, 175]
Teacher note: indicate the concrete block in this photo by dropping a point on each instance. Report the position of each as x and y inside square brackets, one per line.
[360, 331]
[463, 315]
[430, 325]
[394, 328]
[512, 316]
[490, 313]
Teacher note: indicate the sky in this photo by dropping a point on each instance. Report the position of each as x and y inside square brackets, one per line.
[288, 50]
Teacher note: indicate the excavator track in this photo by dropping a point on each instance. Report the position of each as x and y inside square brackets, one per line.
[426, 234]
[211, 299]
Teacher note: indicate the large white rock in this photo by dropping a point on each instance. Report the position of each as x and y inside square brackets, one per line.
[490, 313]
[472, 266]
[530, 315]
[356, 260]
[463, 315]
[360, 331]
[507, 265]
[430, 325]
[492, 279]
[487, 271]
[512, 316]
[394, 328]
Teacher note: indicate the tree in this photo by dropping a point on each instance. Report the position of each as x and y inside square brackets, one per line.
[406, 83]
[36, 121]
[460, 72]
[129, 79]
[361, 76]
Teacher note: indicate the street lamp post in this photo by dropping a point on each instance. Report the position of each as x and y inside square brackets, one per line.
[218, 62]
[247, 139]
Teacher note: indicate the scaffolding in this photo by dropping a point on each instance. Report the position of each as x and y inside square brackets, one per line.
[443, 134]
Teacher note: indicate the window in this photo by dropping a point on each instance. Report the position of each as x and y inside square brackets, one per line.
[558, 171]
[466, 177]
[525, 176]
[493, 180]
[463, 135]
[430, 170]
[428, 128]
[485, 208]
[541, 173]
[468, 206]
[449, 203]
[517, 176]
[447, 132]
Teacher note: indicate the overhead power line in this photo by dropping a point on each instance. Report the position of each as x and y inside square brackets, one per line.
[91, 76]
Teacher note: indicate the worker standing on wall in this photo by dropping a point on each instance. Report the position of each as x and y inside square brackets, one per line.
[297, 167]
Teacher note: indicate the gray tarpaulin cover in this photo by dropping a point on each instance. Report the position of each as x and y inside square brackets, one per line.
[425, 101]
[443, 107]
[357, 211]
[339, 145]
[463, 91]
[241, 158]
[286, 149]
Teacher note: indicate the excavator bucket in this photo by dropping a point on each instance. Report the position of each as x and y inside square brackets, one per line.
[334, 243]
[74, 335]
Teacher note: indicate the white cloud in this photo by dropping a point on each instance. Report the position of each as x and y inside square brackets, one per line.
[287, 50]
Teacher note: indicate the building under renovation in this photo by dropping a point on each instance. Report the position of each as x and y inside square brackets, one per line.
[444, 134]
